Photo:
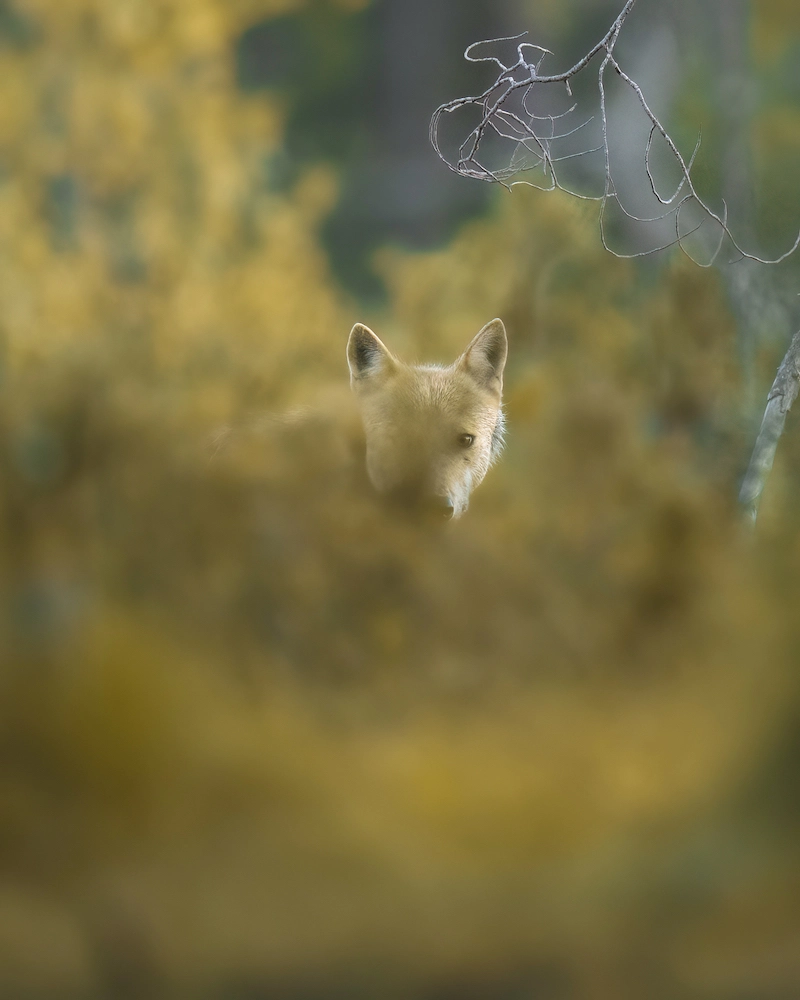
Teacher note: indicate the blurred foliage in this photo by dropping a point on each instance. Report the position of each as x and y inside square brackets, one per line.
[341, 72]
[260, 739]
[776, 26]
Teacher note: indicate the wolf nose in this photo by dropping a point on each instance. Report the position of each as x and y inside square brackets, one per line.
[421, 503]
[445, 506]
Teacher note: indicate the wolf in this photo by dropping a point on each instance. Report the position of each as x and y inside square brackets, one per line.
[432, 431]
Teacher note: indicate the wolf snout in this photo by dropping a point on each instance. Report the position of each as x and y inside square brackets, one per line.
[442, 508]
[419, 503]
[437, 507]
[445, 505]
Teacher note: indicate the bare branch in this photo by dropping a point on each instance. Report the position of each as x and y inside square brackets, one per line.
[781, 396]
[507, 112]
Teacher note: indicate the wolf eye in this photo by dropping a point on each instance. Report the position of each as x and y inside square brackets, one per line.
[465, 440]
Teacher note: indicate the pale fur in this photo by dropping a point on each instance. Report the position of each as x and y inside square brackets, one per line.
[416, 417]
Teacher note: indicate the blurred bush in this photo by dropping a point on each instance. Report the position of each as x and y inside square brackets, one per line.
[261, 740]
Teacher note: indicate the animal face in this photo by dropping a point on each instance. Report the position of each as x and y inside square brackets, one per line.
[431, 431]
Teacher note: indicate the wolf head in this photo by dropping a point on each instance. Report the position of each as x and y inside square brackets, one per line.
[432, 431]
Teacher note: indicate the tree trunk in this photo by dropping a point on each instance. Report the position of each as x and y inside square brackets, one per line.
[782, 395]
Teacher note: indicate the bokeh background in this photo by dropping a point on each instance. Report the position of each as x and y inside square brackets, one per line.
[259, 739]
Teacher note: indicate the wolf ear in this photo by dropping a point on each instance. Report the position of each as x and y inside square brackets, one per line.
[485, 358]
[366, 354]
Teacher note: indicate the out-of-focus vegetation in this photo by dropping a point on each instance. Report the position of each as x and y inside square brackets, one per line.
[260, 739]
